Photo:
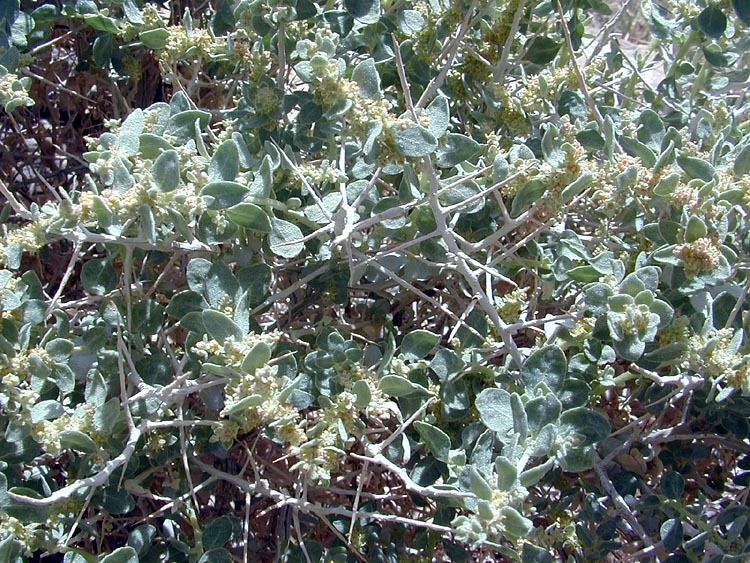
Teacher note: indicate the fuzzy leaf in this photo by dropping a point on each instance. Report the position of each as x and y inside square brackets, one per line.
[365, 11]
[742, 162]
[446, 364]
[257, 357]
[183, 124]
[250, 216]
[516, 525]
[507, 473]
[121, 555]
[586, 422]
[439, 112]
[571, 103]
[416, 142]
[367, 78]
[712, 21]
[437, 441]
[456, 149]
[478, 484]
[534, 554]
[220, 327]
[696, 168]
[541, 411]
[398, 386]
[531, 192]
[285, 238]
[166, 171]
[696, 228]
[418, 343]
[98, 276]
[217, 532]
[495, 411]
[547, 366]
[219, 555]
[128, 139]
[671, 533]
[46, 410]
[552, 147]
[224, 194]
[742, 9]
[542, 50]
[75, 440]
[672, 485]
[225, 163]
[154, 38]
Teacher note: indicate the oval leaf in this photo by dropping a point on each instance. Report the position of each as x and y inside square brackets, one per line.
[285, 238]
[75, 440]
[225, 163]
[167, 171]
[417, 344]
[437, 441]
[547, 366]
[712, 22]
[220, 327]
[495, 410]
[224, 194]
[416, 142]
[250, 216]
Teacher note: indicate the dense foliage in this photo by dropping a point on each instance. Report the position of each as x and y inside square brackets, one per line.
[367, 280]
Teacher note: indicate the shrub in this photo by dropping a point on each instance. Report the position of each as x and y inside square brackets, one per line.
[362, 280]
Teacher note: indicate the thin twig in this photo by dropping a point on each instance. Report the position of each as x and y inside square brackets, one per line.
[97, 480]
[14, 203]
[437, 81]
[66, 277]
[581, 79]
[502, 67]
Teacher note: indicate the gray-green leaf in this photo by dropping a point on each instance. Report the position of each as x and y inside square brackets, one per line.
[167, 171]
[418, 343]
[547, 366]
[367, 78]
[495, 411]
[437, 441]
[250, 216]
[98, 276]
[285, 238]
[225, 163]
[224, 194]
[416, 142]
[220, 327]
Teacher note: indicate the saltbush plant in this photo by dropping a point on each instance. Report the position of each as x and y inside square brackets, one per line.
[398, 280]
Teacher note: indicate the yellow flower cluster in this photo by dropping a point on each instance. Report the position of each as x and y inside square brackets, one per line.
[30, 237]
[14, 90]
[316, 439]
[330, 89]
[511, 112]
[713, 356]
[16, 394]
[511, 305]
[677, 331]
[319, 439]
[323, 173]
[29, 535]
[685, 196]
[545, 87]
[262, 384]
[611, 198]
[47, 432]
[197, 43]
[123, 204]
[490, 520]
[699, 256]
